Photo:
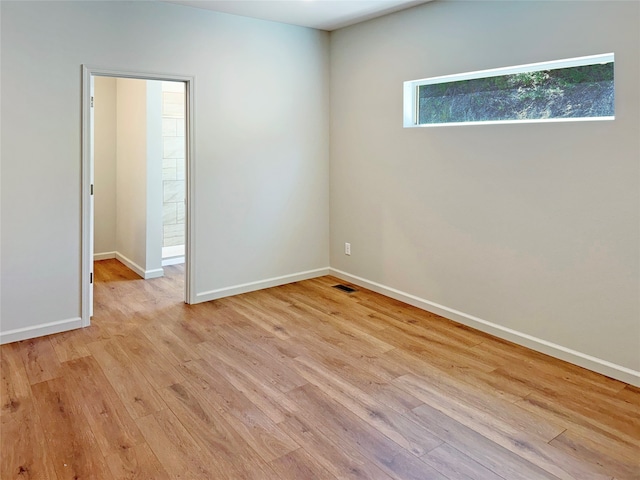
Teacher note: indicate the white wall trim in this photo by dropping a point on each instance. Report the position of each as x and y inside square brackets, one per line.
[130, 264]
[604, 367]
[146, 274]
[155, 273]
[172, 261]
[103, 256]
[40, 330]
[260, 284]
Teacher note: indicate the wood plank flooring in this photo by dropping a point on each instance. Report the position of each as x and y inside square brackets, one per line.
[299, 382]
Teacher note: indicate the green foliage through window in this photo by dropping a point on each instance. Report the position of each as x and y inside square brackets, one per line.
[571, 92]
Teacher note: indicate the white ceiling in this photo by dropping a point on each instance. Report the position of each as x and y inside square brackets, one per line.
[320, 14]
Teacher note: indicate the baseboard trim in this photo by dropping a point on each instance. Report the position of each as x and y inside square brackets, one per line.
[260, 284]
[40, 330]
[589, 362]
[156, 273]
[146, 274]
[103, 256]
[172, 261]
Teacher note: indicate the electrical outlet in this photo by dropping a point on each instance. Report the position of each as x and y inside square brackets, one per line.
[347, 249]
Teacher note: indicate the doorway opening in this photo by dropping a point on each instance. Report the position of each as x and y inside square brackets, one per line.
[137, 160]
[173, 173]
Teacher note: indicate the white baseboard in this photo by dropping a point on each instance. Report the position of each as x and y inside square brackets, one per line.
[155, 273]
[40, 330]
[589, 362]
[146, 274]
[259, 285]
[130, 264]
[173, 251]
[103, 256]
[172, 261]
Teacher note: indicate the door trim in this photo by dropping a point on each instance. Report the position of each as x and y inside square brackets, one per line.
[190, 254]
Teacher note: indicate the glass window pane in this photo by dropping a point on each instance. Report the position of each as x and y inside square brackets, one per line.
[584, 91]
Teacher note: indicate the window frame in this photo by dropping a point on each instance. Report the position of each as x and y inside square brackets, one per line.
[411, 90]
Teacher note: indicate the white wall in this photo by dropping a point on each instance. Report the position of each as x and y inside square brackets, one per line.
[531, 227]
[153, 258]
[131, 170]
[128, 173]
[261, 152]
[105, 165]
[139, 176]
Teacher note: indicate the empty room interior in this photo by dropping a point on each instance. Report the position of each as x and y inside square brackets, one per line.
[320, 239]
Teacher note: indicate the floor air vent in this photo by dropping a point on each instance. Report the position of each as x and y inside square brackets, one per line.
[345, 288]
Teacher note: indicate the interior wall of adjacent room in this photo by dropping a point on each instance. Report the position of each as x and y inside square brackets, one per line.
[128, 171]
[105, 166]
[138, 188]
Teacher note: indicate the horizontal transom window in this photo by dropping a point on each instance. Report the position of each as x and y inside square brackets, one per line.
[562, 90]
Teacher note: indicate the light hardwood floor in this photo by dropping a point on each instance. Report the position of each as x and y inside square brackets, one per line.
[299, 382]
